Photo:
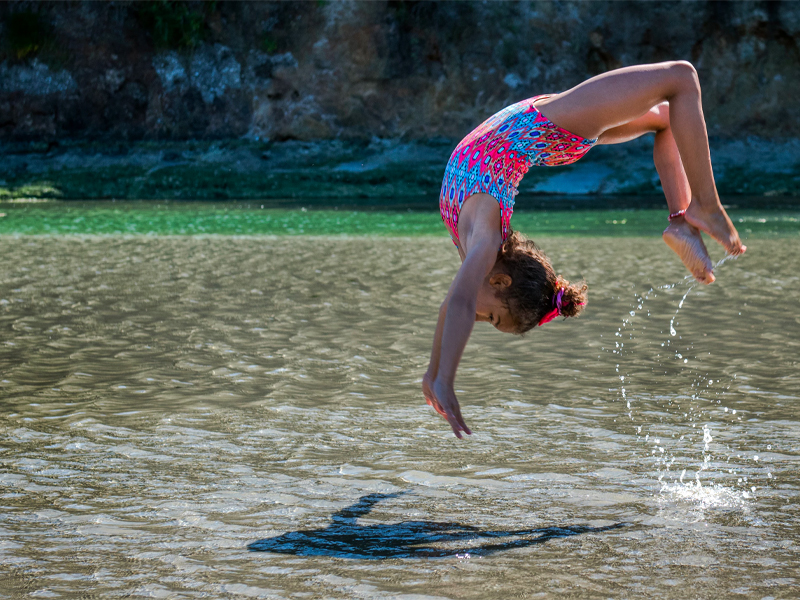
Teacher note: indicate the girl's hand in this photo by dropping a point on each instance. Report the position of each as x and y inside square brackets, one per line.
[443, 399]
[427, 391]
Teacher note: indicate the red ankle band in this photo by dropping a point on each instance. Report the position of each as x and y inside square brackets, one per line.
[675, 215]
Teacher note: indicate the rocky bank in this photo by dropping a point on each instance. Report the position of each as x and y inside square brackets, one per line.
[304, 99]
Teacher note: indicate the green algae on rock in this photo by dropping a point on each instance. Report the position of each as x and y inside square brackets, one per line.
[383, 170]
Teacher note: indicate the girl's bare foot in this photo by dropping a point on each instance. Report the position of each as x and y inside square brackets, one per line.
[686, 242]
[717, 225]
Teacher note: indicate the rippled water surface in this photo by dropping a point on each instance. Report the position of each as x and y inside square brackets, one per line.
[227, 417]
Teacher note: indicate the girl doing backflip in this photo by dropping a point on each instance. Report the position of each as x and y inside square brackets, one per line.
[515, 288]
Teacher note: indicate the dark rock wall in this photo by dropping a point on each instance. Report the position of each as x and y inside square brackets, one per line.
[358, 70]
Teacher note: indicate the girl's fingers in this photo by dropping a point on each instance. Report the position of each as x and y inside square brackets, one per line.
[436, 407]
[457, 422]
[458, 428]
[460, 421]
[450, 418]
[451, 411]
[454, 424]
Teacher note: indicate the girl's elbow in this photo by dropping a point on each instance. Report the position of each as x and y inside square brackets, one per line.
[462, 305]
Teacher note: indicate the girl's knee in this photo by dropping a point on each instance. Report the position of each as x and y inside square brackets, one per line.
[684, 75]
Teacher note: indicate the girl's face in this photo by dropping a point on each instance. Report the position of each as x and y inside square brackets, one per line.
[490, 307]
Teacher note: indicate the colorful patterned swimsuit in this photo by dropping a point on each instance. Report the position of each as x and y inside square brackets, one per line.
[494, 157]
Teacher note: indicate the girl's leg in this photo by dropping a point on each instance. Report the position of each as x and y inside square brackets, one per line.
[684, 239]
[613, 99]
[665, 152]
[681, 237]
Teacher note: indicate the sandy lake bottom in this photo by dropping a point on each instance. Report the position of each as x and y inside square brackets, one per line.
[225, 417]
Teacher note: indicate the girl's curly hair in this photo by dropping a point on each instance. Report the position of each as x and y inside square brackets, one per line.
[534, 284]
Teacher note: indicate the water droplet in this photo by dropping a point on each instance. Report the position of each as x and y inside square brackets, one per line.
[707, 439]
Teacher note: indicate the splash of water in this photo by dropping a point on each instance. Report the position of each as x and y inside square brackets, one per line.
[707, 439]
[708, 496]
[664, 454]
[672, 331]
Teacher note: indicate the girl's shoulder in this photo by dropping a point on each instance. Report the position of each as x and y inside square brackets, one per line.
[479, 221]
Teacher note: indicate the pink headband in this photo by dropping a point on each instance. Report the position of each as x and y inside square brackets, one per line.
[556, 312]
[558, 297]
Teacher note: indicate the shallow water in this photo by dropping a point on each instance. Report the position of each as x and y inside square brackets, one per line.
[241, 417]
[616, 217]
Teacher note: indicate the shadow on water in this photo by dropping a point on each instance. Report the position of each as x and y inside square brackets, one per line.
[345, 538]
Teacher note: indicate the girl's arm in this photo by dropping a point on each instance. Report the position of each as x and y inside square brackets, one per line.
[458, 321]
[433, 365]
[479, 229]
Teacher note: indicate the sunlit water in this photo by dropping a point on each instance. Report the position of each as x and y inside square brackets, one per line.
[227, 417]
